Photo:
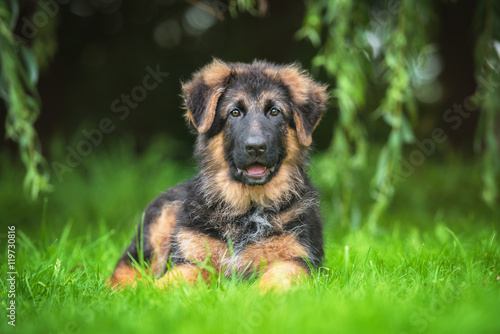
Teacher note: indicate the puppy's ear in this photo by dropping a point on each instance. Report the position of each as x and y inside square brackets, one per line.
[309, 100]
[202, 93]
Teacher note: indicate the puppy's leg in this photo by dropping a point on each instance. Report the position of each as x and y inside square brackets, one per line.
[280, 275]
[154, 236]
[124, 274]
[183, 273]
[279, 258]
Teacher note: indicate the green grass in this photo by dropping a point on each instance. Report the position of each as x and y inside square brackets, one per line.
[433, 267]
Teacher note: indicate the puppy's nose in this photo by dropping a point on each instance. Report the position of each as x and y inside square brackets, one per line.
[255, 146]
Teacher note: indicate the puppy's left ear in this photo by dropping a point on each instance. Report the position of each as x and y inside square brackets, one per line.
[202, 93]
[309, 101]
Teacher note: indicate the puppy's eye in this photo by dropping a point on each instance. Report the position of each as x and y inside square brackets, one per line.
[274, 111]
[235, 113]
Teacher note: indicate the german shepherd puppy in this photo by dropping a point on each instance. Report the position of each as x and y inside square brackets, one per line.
[252, 208]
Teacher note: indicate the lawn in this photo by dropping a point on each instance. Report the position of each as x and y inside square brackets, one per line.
[433, 266]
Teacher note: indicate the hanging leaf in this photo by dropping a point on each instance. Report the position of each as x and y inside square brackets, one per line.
[19, 75]
[488, 76]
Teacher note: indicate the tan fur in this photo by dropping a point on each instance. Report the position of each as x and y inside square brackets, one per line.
[160, 236]
[198, 247]
[305, 138]
[238, 196]
[215, 73]
[280, 248]
[293, 148]
[188, 116]
[209, 116]
[298, 82]
[280, 275]
[214, 76]
[318, 92]
[183, 273]
[123, 275]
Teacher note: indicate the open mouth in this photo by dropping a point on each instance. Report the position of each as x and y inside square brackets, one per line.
[257, 171]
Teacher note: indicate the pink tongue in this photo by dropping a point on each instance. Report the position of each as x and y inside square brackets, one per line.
[256, 170]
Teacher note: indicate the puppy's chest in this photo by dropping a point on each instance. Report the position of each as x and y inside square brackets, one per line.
[236, 237]
[250, 228]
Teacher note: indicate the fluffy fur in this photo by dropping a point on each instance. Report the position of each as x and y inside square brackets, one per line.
[254, 124]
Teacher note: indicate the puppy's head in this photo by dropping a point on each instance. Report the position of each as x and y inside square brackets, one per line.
[255, 108]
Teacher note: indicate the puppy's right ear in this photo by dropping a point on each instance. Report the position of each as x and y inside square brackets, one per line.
[202, 93]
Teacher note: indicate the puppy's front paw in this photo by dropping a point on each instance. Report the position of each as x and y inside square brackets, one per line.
[280, 276]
